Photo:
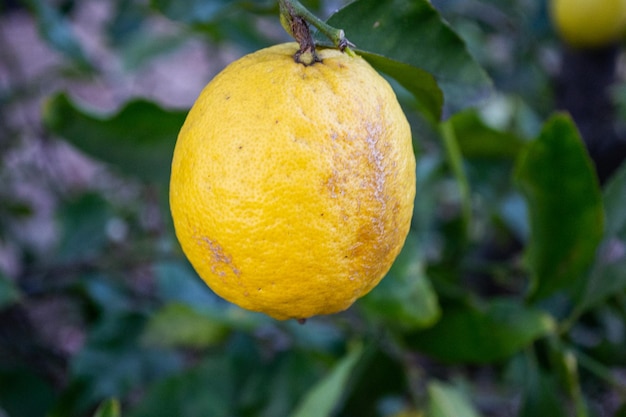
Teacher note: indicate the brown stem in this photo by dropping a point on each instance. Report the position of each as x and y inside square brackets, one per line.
[298, 27]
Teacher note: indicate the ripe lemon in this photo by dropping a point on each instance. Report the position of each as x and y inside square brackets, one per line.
[589, 23]
[292, 186]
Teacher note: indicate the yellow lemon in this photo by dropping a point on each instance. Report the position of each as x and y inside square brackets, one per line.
[292, 186]
[589, 23]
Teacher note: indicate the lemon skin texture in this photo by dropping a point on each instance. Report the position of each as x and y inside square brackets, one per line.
[292, 186]
[589, 23]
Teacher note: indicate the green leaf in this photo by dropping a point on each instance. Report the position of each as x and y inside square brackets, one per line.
[488, 157]
[565, 207]
[139, 140]
[105, 294]
[404, 298]
[271, 387]
[368, 392]
[207, 389]
[481, 142]
[324, 397]
[608, 275]
[113, 362]
[614, 202]
[418, 82]
[179, 325]
[455, 161]
[447, 401]
[9, 293]
[25, 393]
[109, 408]
[468, 334]
[413, 33]
[56, 30]
[17, 209]
[83, 227]
[127, 20]
[143, 47]
[539, 388]
[191, 11]
[235, 22]
[177, 281]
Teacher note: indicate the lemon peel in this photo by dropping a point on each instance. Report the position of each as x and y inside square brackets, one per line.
[292, 186]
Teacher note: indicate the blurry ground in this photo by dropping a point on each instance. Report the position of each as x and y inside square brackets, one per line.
[37, 167]
[36, 170]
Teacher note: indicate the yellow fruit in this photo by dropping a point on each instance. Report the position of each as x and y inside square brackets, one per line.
[589, 23]
[292, 186]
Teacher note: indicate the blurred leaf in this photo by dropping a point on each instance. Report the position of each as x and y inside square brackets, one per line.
[223, 21]
[24, 394]
[468, 334]
[478, 141]
[573, 381]
[127, 21]
[106, 295]
[17, 209]
[324, 397]
[411, 32]
[447, 401]
[514, 212]
[455, 161]
[565, 207]
[179, 325]
[109, 408]
[143, 47]
[271, 386]
[368, 393]
[83, 227]
[178, 282]
[316, 335]
[113, 362]
[618, 95]
[405, 298]
[489, 155]
[56, 30]
[417, 81]
[139, 140]
[614, 203]
[206, 389]
[540, 389]
[428, 172]
[608, 275]
[409, 413]
[191, 11]
[203, 13]
[9, 292]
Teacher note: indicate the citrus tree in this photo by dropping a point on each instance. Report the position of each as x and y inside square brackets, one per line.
[506, 298]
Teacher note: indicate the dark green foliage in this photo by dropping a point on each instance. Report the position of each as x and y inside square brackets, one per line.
[507, 299]
[139, 140]
[566, 215]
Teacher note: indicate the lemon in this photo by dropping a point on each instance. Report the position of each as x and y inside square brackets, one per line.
[589, 23]
[292, 186]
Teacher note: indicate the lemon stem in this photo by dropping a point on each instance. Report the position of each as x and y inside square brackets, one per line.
[296, 18]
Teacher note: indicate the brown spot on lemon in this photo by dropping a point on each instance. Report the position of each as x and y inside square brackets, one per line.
[219, 261]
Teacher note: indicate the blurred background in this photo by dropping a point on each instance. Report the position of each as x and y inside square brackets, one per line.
[97, 301]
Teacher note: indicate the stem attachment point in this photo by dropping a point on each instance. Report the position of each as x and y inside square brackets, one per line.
[295, 19]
